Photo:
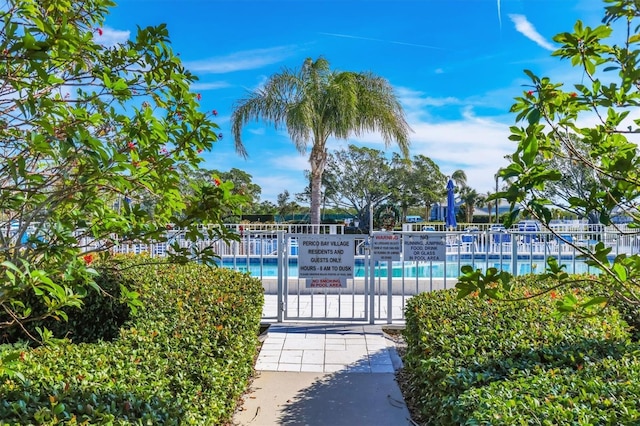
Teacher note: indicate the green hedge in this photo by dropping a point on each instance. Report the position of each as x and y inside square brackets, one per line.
[103, 312]
[603, 393]
[462, 350]
[184, 358]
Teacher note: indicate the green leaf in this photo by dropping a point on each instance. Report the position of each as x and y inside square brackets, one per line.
[534, 116]
[620, 271]
[530, 150]
[598, 300]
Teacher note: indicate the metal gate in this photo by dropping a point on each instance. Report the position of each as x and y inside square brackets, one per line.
[381, 286]
[299, 300]
[370, 295]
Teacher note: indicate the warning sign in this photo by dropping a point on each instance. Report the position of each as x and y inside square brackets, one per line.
[386, 246]
[425, 248]
[326, 257]
[326, 282]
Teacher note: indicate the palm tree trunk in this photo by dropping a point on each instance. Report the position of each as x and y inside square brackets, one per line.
[316, 189]
[317, 160]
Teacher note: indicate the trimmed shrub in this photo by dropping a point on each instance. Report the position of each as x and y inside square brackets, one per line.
[603, 393]
[631, 314]
[183, 358]
[100, 318]
[462, 347]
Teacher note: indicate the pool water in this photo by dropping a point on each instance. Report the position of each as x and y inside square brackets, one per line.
[269, 268]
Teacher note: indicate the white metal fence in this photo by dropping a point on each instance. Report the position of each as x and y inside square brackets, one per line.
[379, 290]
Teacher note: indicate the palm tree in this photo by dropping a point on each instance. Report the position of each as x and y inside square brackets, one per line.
[459, 177]
[469, 198]
[483, 201]
[315, 103]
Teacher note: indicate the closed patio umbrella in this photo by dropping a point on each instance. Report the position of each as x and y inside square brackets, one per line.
[450, 218]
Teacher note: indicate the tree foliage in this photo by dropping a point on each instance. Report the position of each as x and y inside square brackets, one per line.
[315, 103]
[594, 123]
[578, 180]
[242, 184]
[86, 131]
[358, 179]
[469, 198]
[285, 205]
[416, 182]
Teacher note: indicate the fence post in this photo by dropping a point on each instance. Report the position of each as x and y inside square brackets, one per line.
[514, 254]
[369, 265]
[389, 291]
[281, 251]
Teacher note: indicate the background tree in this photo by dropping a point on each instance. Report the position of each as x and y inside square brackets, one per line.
[315, 103]
[242, 184]
[469, 198]
[578, 180]
[487, 200]
[589, 122]
[83, 127]
[264, 207]
[430, 182]
[357, 179]
[459, 178]
[415, 182]
[403, 186]
[285, 206]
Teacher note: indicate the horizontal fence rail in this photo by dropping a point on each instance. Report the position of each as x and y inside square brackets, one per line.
[513, 250]
[379, 289]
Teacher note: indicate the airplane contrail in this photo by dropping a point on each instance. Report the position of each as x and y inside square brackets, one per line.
[499, 16]
[384, 41]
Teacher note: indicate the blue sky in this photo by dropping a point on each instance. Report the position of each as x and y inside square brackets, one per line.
[456, 66]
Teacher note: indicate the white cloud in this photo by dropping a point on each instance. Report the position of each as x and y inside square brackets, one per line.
[240, 61]
[413, 99]
[476, 145]
[274, 185]
[210, 86]
[282, 172]
[292, 162]
[525, 27]
[111, 37]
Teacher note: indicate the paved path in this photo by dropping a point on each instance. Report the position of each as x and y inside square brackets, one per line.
[325, 374]
[325, 348]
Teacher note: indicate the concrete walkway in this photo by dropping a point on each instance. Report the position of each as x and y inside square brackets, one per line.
[325, 374]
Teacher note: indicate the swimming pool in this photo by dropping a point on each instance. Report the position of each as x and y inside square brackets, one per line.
[268, 267]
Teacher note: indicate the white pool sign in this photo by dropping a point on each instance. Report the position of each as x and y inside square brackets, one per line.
[386, 246]
[428, 247]
[326, 260]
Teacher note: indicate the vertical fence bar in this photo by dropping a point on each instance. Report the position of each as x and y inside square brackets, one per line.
[514, 255]
[372, 289]
[281, 287]
[389, 291]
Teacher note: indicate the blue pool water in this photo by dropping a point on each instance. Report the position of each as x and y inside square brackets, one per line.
[267, 267]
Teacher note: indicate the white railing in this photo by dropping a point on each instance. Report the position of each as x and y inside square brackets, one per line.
[481, 247]
[260, 242]
[270, 253]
